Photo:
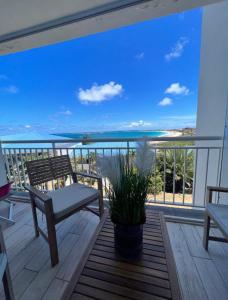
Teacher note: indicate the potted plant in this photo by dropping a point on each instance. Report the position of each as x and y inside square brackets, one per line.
[129, 179]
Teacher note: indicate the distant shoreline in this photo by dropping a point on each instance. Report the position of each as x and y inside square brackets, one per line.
[169, 133]
[174, 133]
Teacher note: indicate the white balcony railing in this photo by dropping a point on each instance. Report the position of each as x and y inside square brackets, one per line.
[180, 176]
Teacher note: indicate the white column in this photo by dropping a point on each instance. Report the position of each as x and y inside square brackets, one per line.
[213, 91]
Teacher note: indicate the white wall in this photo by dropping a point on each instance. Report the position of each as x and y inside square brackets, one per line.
[213, 89]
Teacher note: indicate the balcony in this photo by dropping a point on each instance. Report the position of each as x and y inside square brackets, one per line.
[201, 274]
[178, 185]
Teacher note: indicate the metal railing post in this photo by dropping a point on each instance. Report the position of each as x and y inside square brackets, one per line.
[128, 154]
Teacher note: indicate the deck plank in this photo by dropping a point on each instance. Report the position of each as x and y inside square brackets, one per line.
[56, 289]
[65, 272]
[218, 254]
[22, 281]
[32, 275]
[214, 286]
[188, 274]
[194, 241]
[46, 274]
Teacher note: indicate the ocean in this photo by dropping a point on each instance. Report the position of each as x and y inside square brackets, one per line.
[111, 134]
[69, 136]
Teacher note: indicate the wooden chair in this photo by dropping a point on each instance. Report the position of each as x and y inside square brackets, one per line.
[4, 270]
[59, 204]
[218, 213]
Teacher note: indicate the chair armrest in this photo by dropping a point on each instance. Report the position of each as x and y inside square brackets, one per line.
[211, 189]
[217, 189]
[97, 177]
[88, 175]
[36, 193]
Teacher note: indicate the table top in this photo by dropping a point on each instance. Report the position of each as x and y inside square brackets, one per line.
[153, 276]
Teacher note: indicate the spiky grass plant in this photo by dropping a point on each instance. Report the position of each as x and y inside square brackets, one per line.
[129, 184]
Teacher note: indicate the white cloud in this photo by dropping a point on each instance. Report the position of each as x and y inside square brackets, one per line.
[28, 126]
[11, 89]
[99, 93]
[165, 102]
[177, 89]
[137, 124]
[177, 50]
[140, 55]
[65, 113]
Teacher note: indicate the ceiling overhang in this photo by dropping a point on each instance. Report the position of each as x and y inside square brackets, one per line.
[29, 24]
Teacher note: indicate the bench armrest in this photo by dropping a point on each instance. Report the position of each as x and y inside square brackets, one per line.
[217, 189]
[97, 177]
[100, 187]
[36, 193]
[88, 175]
[211, 189]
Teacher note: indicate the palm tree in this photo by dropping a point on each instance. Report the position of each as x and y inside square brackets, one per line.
[178, 167]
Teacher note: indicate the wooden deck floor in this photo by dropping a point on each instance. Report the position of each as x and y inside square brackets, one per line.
[203, 275]
[153, 276]
[29, 261]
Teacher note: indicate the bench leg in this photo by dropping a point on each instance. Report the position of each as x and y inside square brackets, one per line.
[7, 285]
[52, 240]
[34, 214]
[101, 207]
[207, 223]
[101, 200]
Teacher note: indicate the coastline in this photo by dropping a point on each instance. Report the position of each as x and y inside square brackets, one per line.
[169, 133]
[174, 133]
[39, 136]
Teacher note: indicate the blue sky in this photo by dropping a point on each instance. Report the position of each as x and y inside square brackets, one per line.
[143, 76]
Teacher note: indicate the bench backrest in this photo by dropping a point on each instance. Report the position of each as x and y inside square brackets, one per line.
[44, 170]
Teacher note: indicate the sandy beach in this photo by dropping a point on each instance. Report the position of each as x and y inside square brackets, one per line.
[173, 133]
[168, 133]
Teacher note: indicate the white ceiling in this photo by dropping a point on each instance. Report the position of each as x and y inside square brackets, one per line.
[25, 24]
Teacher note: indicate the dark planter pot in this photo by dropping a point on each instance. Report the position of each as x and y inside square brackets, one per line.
[128, 240]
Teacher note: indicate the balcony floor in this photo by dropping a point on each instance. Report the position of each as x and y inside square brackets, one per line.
[29, 260]
[202, 275]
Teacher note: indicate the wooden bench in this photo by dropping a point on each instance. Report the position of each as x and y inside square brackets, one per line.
[219, 214]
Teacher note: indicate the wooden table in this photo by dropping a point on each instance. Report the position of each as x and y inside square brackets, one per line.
[107, 276]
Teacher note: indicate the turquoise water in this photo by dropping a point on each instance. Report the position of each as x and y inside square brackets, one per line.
[111, 134]
[92, 135]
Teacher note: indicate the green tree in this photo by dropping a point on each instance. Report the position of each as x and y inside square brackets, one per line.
[155, 184]
[179, 164]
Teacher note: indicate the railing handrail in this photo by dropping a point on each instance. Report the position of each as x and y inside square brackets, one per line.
[100, 140]
[121, 148]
